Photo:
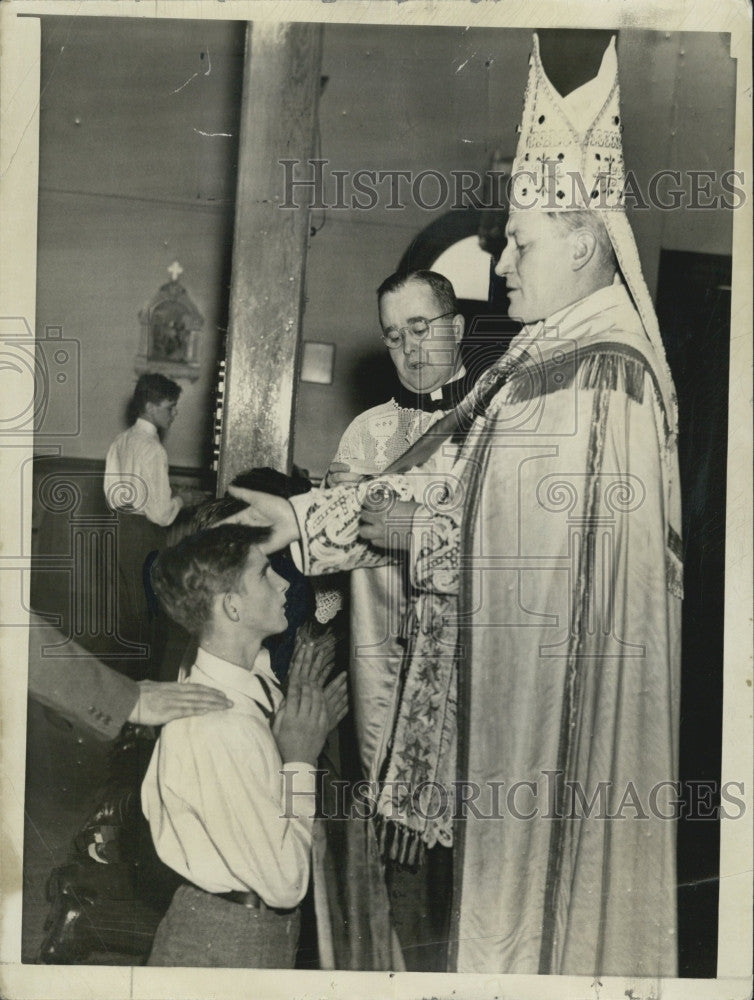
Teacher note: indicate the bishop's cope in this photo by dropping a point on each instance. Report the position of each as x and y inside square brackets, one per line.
[543, 689]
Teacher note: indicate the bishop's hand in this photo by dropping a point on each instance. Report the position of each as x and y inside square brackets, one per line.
[266, 510]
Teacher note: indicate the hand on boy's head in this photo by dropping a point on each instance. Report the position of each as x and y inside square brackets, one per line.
[302, 724]
[266, 510]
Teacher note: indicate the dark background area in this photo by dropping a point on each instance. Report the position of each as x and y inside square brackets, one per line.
[693, 306]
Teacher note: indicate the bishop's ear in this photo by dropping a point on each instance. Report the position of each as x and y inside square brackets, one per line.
[583, 244]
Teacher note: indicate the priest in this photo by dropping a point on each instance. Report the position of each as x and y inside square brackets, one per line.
[422, 329]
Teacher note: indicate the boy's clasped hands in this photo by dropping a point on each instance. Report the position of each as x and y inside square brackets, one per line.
[311, 708]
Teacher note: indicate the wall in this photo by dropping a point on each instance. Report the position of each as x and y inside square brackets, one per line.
[128, 184]
[135, 184]
[678, 92]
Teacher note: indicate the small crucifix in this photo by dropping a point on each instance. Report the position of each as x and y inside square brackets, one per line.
[175, 270]
[612, 171]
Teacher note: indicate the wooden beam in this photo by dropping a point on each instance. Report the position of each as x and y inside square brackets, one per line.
[278, 121]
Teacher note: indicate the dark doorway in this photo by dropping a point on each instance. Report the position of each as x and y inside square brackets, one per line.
[693, 307]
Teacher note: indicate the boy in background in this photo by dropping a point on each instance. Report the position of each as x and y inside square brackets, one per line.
[137, 487]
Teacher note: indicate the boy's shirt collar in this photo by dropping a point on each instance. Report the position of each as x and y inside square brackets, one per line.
[145, 426]
[258, 685]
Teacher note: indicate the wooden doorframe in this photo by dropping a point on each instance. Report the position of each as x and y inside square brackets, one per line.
[281, 85]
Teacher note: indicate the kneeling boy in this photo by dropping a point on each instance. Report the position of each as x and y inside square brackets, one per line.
[222, 812]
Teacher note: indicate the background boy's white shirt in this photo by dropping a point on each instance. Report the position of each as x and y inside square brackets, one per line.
[137, 474]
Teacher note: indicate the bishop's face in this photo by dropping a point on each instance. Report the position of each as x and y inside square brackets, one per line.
[535, 265]
[427, 362]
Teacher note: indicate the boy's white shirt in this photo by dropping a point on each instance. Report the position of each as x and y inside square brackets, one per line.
[137, 472]
[224, 811]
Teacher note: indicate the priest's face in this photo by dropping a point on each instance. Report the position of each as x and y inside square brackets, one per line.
[423, 361]
[536, 266]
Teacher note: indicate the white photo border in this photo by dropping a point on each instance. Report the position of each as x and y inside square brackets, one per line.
[19, 159]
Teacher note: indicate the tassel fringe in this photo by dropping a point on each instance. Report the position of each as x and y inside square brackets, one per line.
[399, 844]
[603, 369]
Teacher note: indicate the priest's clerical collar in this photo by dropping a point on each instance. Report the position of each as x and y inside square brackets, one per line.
[443, 398]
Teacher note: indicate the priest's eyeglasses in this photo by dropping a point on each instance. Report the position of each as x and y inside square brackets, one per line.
[417, 327]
